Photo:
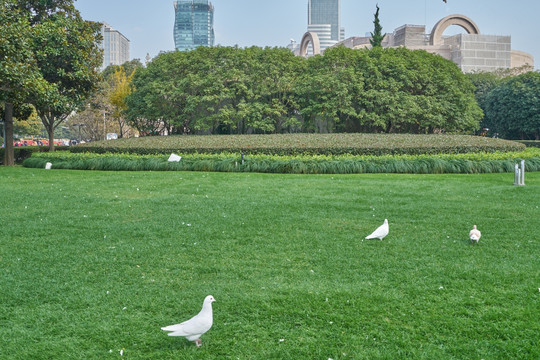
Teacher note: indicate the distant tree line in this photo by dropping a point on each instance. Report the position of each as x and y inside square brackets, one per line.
[510, 101]
[228, 90]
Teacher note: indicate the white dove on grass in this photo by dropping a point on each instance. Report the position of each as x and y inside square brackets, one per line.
[193, 328]
[380, 232]
[475, 234]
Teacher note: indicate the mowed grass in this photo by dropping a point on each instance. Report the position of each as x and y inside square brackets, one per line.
[92, 263]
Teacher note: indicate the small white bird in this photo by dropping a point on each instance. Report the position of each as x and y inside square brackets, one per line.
[193, 328]
[475, 234]
[380, 232]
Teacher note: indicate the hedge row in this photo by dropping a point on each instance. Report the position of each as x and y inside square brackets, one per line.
[347, 164]
[530, 143]
[304, 144]
[24, 152]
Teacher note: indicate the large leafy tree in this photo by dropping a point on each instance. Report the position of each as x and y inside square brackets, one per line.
[20, 79]
[49, 57]
[254, 90]
[68, 58]
[514, 107]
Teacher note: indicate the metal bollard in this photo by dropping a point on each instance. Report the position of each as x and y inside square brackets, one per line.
[519, 174]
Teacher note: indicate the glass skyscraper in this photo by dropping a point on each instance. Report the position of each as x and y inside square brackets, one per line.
[324, 18]
[194, 24]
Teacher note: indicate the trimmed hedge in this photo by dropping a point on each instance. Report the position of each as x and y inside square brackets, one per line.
[530, 143]
[304, 144]
[319, 164]
[24, 152]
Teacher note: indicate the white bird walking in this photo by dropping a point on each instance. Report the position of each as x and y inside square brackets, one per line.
[475, 234]
[380, 232]
[193, 328]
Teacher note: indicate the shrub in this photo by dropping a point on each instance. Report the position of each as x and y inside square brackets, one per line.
[24, 152]
[304, 144]
[300, 164]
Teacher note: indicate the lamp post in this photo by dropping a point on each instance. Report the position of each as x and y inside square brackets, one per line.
[79, 125]
[104, 131]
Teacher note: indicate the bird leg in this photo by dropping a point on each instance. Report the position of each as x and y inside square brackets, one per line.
[198, 342]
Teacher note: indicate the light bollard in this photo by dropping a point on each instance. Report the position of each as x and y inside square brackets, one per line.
[519, 174]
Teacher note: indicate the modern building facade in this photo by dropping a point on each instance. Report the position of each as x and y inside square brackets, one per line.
[194, 24]
[471, 52]
[324, 19]
[115, 46]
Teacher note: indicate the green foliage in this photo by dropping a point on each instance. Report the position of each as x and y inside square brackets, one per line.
[514, 107]
[49, 56]
[20, 80]
[28, 126]
[93, 263]
[224, 90]
[530, 143]
[68, 58]
[218, 90]
[294, 144]
[377, 35]
[24, 152]
[299, 164]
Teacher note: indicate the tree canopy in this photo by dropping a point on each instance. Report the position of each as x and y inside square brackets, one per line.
[253, 90]
[49, 58]
[513, 107]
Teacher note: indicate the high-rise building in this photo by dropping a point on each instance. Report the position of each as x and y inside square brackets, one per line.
[194, 24]
[115, 46]
[324, 19]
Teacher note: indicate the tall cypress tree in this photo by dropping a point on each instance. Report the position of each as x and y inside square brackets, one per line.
[376, 36]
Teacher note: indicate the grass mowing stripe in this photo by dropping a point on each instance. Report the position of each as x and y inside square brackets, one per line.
[98, 261]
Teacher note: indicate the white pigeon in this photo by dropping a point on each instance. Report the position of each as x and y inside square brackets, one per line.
[380, 232]
[193, 328]
[475, 234]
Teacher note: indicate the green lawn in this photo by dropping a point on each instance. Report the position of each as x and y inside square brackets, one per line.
[93, 262]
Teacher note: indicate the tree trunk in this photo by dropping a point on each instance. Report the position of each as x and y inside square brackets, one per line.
[50, 131]
[9, 156]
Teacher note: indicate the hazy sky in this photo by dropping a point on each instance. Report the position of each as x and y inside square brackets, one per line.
[148, 24]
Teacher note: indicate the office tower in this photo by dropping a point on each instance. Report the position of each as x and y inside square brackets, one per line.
[194, 24]
[324, 19]
[115, 46]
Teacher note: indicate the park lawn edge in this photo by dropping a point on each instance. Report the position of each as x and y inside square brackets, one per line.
[479, 162]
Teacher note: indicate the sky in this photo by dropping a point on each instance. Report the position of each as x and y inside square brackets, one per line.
[148, 24]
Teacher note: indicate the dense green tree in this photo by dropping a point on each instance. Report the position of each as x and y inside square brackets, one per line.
[217, 90]
[68, 58]
[50, 59]
[20, 79]
[254, 90]
[376, 36]
[387, 90]
[327, 89]
[484, 82]
[415, 92]
[158, 99]
[513, 107]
